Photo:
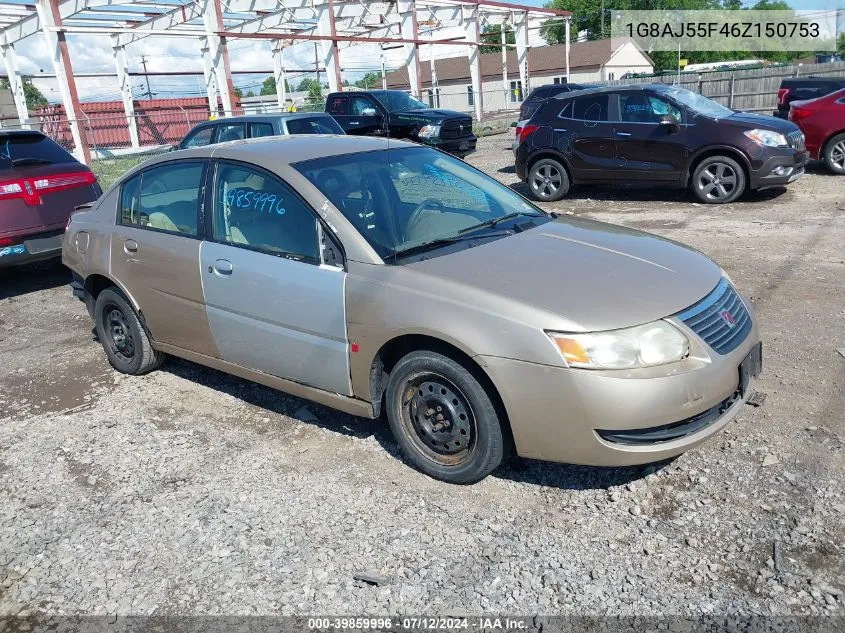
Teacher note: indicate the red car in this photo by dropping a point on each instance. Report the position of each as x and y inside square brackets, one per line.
[40, 185]
[823, 122]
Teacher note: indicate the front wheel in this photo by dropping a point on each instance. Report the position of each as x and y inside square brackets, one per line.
[834, 154]
[548, 180]
[443, 418]
[718, 180]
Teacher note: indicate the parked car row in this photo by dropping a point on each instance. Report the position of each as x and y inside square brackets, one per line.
[378, 276]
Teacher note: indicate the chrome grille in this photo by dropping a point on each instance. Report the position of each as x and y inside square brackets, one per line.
[796, 140]
[720, 319]
[456, 128]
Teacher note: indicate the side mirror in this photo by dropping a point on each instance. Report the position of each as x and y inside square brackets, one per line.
[369, 112]
[671, 124]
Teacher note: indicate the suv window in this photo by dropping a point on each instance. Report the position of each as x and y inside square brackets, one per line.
[337, 105]
[34, 149]
[641, 107]
[168, 198]
[199, 138]
[231, 132]
[313, 125]
[259, 129]
[256, 210]
[591, 108]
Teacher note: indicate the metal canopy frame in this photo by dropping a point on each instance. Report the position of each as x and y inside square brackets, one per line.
[283, 22]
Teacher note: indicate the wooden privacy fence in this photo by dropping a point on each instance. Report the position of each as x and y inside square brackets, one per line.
[752, 90]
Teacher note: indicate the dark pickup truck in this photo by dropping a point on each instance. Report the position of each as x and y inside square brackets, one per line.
[804, 89]
[379, 112]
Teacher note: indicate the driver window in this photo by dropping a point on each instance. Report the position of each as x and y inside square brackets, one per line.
[661, 108]
[258, 211]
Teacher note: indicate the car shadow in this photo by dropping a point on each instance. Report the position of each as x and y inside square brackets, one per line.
[16, 281]
[520, 470]
[819, 168]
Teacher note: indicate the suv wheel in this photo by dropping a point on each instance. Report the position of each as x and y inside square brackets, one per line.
[443, 418]
[548, 180]
[127, 345]
[834, 154]
[718, 179]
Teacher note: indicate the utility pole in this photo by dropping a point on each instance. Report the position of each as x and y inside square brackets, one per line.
[316, 64]
[146, 76]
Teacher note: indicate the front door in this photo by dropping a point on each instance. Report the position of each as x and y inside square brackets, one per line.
[272, 304]
[155, 252]
[645, 148]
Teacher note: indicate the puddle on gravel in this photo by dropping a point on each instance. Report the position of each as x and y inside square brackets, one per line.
[51, 388]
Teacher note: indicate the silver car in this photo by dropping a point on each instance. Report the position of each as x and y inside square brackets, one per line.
[378, 277]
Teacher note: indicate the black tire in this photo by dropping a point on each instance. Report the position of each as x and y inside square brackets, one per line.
[468, 448]
[124, 339]
[834, 154]
[718, 180]
[548, 180]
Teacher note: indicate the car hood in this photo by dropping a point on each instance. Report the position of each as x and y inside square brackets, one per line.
[751, 120]
[596, 276]
[430, 115]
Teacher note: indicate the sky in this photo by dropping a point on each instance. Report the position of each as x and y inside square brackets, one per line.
[93, 54]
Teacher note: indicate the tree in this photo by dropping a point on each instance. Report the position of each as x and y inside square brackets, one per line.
[492, 34]
[312, 87]
[269, 87]
[840, 44]
[239, 93]
[250, 94]
[34, 97]
[369, 80]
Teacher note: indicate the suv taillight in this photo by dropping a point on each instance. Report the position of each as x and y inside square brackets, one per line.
[30, 189]
[526, 131]
[782, 93]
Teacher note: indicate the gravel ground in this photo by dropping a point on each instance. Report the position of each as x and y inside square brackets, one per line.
[191, 492]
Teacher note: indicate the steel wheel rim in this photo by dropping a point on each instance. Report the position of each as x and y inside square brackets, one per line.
[717, 181]
[438, 418]
[546, 181]
[837, 155]
[119, 336]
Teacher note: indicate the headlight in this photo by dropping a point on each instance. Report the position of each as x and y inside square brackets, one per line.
[767, 138]
[647, 345]
[429, 131]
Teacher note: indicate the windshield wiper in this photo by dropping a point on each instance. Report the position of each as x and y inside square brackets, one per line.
[443, 241]
[494, 221]
[17, 162]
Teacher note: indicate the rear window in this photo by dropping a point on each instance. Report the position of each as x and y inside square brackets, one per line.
[18, 150]
[314, 125]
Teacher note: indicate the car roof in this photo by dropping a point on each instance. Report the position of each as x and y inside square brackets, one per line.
[21, 133]
[246, 118]
[602, 89]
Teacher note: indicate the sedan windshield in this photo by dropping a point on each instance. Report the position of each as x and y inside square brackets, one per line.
[698, 103]
[397, 101]
[413, 199]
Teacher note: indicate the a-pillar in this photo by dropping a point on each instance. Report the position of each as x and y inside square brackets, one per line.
[473, 35]
[408, 26]
[10, 60]
[331, 54]
[51, 21]
[125, 89]
[213, 19]
[522, 51]
[279, 73]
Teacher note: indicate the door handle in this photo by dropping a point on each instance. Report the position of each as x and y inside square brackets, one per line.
[222, 267]
[130, 246]
[354, 122]
[623, 134]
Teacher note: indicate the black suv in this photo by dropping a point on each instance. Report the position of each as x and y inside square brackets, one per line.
[235, 128]
[379, 112]
[540, 94]
[655, 134]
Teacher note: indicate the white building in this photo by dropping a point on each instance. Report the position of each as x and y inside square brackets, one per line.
[592, 61]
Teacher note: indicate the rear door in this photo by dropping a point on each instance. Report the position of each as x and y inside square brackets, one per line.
[155, 251]
[40, 184]
[272, 304]
[584, 134]
[645, 149]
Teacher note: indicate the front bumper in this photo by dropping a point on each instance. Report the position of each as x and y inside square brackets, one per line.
[779, 170]
[32, 248]
[588, 417]
[457, 147]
